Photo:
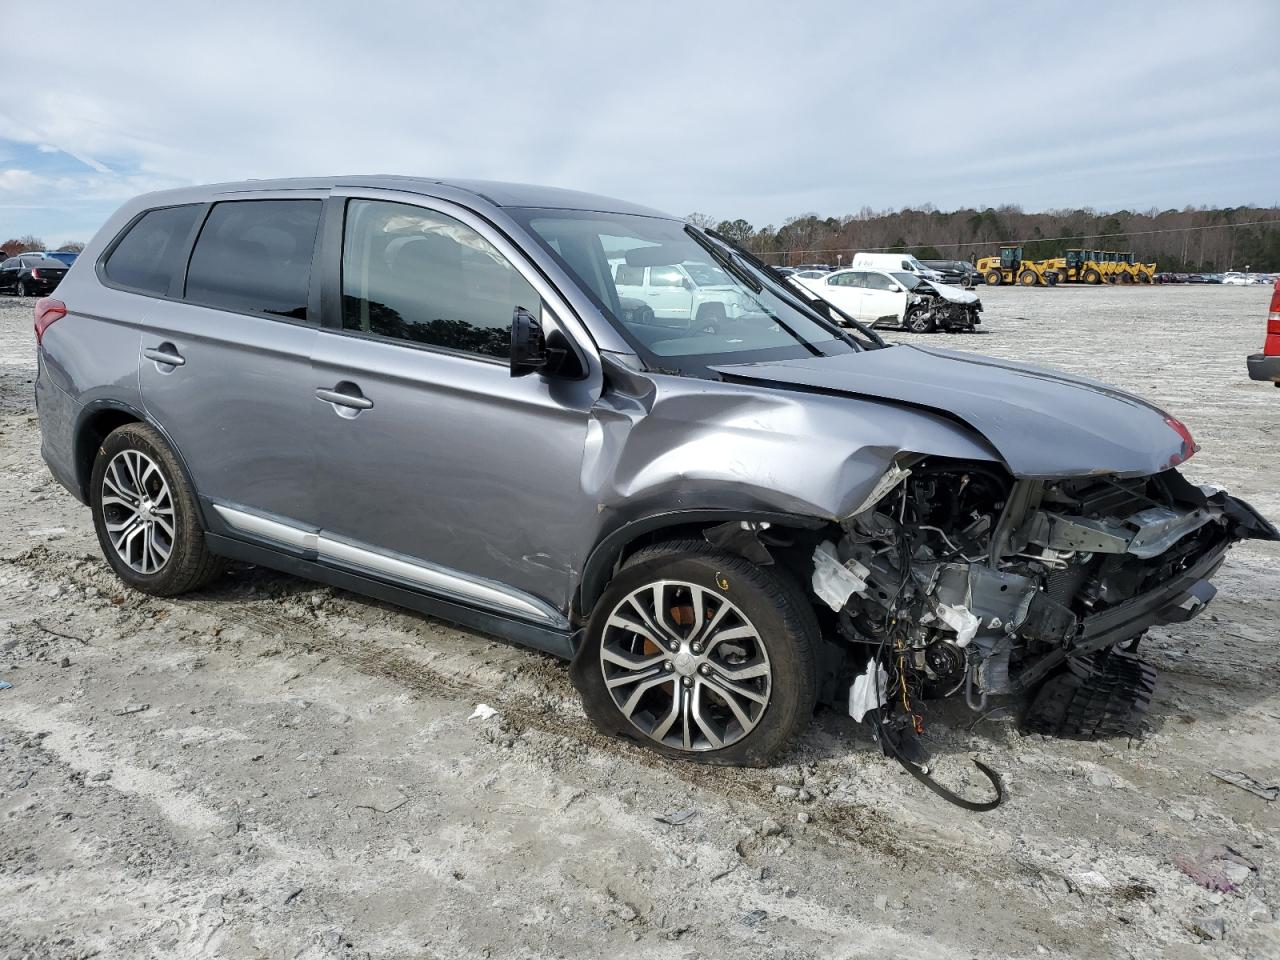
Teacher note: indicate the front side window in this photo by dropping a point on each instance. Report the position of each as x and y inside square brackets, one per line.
[413, 274]
[664, 277]
[878, 281]
[254, 256]
[744, 317]
[149, 256]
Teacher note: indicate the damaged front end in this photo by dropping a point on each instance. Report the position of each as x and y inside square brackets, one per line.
[964, 581]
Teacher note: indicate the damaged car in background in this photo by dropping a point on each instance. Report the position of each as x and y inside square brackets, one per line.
[590, 428]
[900, 299]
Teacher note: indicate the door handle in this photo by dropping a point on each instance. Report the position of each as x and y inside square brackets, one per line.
[353, 401]
[169, 356]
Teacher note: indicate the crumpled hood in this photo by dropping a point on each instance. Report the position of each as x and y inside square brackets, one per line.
[1043, 423]
[954, 294]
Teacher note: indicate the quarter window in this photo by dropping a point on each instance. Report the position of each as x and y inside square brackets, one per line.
[149, 255]
[628, 276]
[413, 274]
[255, 256]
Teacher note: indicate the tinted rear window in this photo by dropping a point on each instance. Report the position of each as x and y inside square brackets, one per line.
[255, 256]
[149, 255]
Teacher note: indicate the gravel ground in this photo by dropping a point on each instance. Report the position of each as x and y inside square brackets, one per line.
[275, 769]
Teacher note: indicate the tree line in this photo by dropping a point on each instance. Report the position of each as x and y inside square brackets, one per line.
[16, 245]
[1193, 239]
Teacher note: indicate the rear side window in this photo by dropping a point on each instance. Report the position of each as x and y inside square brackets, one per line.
[149, 256]
[254, 256]
[413, 274]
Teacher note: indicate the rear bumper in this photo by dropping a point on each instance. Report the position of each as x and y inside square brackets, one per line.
[1265, 368]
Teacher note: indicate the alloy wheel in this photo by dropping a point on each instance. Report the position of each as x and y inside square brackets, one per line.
[685, 666]
[138, 510]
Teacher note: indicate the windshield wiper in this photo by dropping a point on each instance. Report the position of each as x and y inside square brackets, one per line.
[781, 285]
[726, 262]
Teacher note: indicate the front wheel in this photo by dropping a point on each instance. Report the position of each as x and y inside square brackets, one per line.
[1092, 276]
[919, 320]
[993, 278]
[700, 655]
[145, 514]
[1028, 278]
[22, 288]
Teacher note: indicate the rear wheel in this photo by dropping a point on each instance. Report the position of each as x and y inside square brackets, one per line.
[1125, 278]
[701, 655]
[993, 278]
[1028, 278]
[919, 320]
[1144, 277]
[145, 514]
[1092, 276]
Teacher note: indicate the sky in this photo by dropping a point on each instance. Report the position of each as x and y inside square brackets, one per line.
[733, 109]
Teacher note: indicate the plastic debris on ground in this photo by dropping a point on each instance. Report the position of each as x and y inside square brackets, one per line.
[4, 685]
[677, 818]
[833, 581]
[1246, 782]
[1216, 867]
[482, 712]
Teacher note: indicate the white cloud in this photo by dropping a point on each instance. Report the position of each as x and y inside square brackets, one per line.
[733, 108]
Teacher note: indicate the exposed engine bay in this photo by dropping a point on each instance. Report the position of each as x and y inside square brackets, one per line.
[958, 580]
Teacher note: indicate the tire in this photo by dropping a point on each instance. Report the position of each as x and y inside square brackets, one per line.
[1028, 278]
[993, 278]
[1144, 277]
[1124, 279]
[919, 320]
[134, 459]
[1092, 276]
[782, 643]
[22, 288]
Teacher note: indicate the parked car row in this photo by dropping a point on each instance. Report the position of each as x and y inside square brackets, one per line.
[1231, 278]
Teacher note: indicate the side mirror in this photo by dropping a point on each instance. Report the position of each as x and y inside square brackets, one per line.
[894, 288]
[528, 346]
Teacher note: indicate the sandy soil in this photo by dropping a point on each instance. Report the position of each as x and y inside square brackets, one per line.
[275, 769]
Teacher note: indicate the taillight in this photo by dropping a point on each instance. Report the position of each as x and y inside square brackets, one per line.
[47, 311]
[1272, 345]
[1189, 445]
[35, 274]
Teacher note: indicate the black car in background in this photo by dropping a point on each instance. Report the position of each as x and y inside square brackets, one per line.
[954, 271]
[30, 275]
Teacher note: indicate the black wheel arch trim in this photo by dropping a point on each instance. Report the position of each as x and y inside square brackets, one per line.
[83, 476]
[604, 557]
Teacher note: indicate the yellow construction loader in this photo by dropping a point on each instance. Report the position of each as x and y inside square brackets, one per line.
[1009, 267]
[1099, 266]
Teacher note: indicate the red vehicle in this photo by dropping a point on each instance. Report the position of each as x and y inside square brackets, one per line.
[1266, 365]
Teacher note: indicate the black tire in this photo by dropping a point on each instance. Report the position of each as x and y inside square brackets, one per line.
[22, 288]
[993, 278]
[189, 564]
[1106, 695]
[1124, 279]
[1144, 277]
[1028, 278]
[919, 320]
[1092, 276]
[768, 598]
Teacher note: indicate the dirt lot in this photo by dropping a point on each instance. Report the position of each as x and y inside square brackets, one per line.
[276, 769]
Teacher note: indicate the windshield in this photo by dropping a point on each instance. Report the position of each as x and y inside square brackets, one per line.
[908, 280]
[728, 315]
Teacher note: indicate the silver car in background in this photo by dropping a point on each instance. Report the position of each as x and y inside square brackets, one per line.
[439, 393]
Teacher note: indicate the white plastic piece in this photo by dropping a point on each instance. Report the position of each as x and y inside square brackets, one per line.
[834, 582]
[867, 694]
[482, 712]
[961, 620]
[890, 479]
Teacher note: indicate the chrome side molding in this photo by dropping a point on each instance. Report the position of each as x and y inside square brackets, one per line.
[391, 566]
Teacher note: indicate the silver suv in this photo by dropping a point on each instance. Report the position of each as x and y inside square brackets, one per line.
[433, 393]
